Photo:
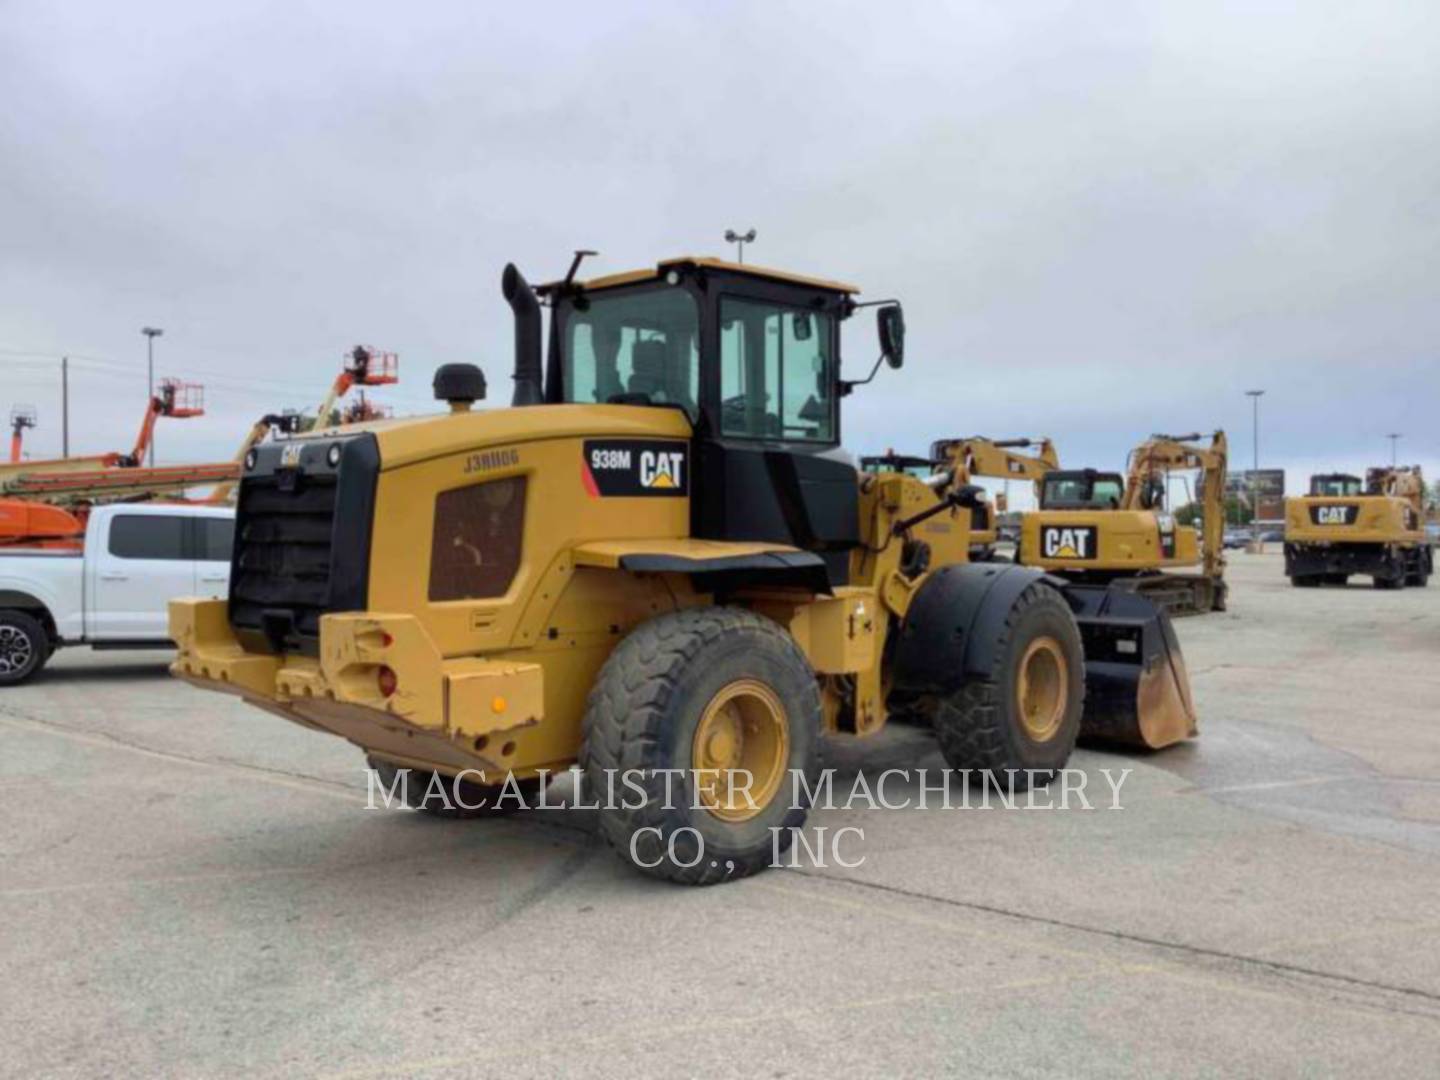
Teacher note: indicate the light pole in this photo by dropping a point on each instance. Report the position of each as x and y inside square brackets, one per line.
[1254, 396]
[1394, 438]
[151, 333]
[739, 240]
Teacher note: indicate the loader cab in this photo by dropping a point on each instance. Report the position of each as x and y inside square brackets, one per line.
[1082, 489]
[1335, 485]
[752, 357]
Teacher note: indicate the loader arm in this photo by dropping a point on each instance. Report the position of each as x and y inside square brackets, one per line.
[221, 492]
[998, 459]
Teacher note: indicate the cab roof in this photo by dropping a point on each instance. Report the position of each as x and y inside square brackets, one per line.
[632, 277]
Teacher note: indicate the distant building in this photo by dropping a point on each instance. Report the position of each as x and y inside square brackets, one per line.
[1269, 484]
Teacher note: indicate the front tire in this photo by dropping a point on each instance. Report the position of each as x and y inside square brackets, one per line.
[24, 647]
[1020, 723]
[709, 692]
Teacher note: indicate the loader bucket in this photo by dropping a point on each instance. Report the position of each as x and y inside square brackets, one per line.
[1137, 691]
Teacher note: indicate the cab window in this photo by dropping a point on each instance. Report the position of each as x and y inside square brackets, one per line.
[777, 378]
[642, 343]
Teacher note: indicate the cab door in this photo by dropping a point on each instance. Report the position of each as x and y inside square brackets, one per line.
[770, 467]
[145, 562]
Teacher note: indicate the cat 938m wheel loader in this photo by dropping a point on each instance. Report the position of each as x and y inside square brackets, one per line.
[660, 565]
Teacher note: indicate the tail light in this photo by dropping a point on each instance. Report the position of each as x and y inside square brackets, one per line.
[388, 681]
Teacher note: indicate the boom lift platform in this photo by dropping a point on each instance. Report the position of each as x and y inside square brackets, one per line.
[21, 418]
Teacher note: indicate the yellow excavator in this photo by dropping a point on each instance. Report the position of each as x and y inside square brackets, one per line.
[1101, 527]
[1342, 528]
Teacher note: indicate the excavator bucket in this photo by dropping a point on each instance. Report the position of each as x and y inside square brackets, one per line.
[1137, 691]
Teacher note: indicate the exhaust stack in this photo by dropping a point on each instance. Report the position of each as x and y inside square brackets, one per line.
[521, 299]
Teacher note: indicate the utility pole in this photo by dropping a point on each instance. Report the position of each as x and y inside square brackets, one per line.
[739, 240]
[65, 406]
[1254, 396]
[1394, 438]
[151, 333]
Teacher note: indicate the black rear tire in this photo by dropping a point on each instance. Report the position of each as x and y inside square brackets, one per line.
[643, 717]
[454, 798]
[24, 646]
[983, 725]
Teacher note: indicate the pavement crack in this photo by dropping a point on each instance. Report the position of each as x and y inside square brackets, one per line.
[1269, 967]
[18, 719]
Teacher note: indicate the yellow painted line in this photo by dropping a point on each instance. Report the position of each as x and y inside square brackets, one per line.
[1373, 934]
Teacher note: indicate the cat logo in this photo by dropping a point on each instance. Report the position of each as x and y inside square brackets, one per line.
[631, 467]
[1342, 514]
[662, 469]
[1068, 541]
[290, 455]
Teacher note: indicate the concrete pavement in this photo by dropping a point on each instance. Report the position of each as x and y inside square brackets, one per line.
[193, 887]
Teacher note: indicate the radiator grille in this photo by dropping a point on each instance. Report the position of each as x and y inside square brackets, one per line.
[282, 551]
[302, 539]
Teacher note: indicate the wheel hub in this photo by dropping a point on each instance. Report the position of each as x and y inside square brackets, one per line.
[15, 649]
[1042, 688]
[743, 730]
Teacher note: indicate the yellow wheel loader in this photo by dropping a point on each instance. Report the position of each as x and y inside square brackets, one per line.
[660, 565]
[1342, 528]
[971, 457]
[1100, 528]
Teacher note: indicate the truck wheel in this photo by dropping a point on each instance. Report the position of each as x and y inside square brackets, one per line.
[24, 647]
[1391, 579]
[462, 798]
[1419, 574]
[708, 692]
[1025, 715]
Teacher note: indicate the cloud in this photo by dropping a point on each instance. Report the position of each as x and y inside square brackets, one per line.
[1102, 224]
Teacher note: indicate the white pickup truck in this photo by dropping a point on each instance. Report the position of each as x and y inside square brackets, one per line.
[111, 593]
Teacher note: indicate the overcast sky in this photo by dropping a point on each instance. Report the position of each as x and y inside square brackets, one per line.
[1104, 219]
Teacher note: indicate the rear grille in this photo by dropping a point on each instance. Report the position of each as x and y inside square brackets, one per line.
[289, 567]
[282, 552]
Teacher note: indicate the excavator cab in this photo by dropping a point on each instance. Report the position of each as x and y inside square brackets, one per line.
[1082, 489]
[1335, 485]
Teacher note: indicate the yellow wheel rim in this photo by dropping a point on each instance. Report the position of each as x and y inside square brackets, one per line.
[1042, 688]
[743, 730]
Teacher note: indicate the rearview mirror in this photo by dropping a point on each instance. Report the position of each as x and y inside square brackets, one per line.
[890, 321]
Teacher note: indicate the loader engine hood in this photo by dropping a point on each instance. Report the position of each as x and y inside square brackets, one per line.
[305, 519]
